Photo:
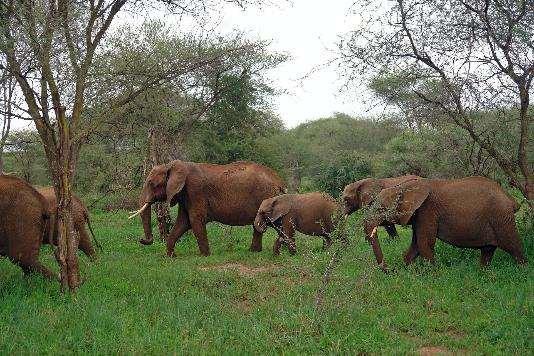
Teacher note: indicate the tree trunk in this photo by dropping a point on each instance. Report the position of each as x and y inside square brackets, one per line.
[294, 178]
[66, 253]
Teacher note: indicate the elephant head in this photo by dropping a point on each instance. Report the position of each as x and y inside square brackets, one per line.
[395, 205]
[270, 211]
[360, 194]
[164, 183]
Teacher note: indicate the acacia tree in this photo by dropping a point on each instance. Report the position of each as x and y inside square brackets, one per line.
[50, 47]
[479, 54]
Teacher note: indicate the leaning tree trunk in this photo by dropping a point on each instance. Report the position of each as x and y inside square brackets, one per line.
[294, 176]
[66, 252]
[156, 156]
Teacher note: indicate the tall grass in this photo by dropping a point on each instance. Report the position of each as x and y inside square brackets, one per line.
[136, 300]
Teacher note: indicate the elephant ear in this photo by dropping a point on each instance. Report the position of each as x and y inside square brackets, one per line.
[176, 177]
[403, 200]
[280, 208]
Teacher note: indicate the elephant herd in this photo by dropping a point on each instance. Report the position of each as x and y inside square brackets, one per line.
[472, 212]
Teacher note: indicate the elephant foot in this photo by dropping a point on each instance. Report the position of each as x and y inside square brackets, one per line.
[146, 242]
[255, 248]
[384, 267]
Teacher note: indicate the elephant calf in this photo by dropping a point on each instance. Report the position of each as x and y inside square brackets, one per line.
[310, 214]
[80, 218]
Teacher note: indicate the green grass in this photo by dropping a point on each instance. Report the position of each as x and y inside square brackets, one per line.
[136, 300]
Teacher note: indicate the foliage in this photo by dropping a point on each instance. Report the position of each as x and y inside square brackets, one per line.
[25, 157]
[461, 62]
[233, 125]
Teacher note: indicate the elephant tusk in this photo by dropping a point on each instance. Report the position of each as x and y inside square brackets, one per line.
[135, 213]
[346, 216]
[373, 233]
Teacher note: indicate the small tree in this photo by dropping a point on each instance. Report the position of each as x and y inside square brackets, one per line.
[478, 54]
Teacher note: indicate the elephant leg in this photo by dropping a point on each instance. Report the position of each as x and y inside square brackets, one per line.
[412, 252]
[486, 254]
[276, 246]
[198, 225]
[180, 227]
[426, 230]
[289, 239]
[29, 267]
[391, 230]
[256, 245]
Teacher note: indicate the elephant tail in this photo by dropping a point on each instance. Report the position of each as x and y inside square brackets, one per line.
[88, 221]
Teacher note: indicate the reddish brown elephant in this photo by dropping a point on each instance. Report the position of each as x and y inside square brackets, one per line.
[473, 212]
[230, 194]
[80, 219]
[309, 213]
[24, 218]
[363, 192]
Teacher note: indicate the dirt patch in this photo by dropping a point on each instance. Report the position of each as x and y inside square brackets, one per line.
[243, 304]
[243, 270]
[433, 350]
[455, 333]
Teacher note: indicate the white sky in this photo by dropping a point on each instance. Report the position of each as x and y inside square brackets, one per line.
[307, 30]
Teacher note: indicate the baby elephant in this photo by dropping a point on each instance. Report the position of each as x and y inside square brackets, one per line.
[80, 219]
[310, 214]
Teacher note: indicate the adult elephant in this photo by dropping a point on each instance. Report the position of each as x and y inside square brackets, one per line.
[229, 194]
[80, 219]
[24, 218]
[363, 192]
[473, 212]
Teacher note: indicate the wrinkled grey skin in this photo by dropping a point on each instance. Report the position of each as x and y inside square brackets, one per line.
[310, 214]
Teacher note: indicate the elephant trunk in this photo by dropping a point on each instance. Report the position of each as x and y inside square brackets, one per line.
[259, 224]
[146, 216]
[372, 236]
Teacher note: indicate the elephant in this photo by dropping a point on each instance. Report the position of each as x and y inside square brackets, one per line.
[309, 213]
[23, 224]
[80, 219]
[363, 192]
[230, 194]
[473, 212]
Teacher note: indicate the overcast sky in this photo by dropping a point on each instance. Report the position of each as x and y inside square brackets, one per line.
[307, 30]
